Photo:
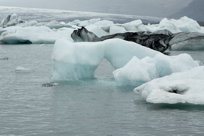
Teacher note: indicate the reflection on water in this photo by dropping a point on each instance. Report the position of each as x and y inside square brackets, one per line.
[84, 108]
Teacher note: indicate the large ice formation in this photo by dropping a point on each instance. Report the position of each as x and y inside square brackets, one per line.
[139, 71]
[74, 61]
[183, 87]
[134, 63]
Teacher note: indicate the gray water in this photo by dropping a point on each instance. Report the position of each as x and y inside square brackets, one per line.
[85, 108]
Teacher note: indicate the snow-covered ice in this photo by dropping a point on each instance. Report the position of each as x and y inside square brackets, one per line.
[183, 87]
[138, 71]
[184, 24]
[34, 35]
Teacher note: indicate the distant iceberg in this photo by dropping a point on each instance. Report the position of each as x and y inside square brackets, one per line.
[14, 30]
[184, 87]
[11, 20]
[184, 24]
[33, 35]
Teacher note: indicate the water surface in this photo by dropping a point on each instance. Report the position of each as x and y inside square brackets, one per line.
[84, 108]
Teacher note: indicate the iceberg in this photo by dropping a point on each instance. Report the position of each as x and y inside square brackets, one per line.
[139, 71]
[187, 34]
[183, 87]
[75, 61]
[33, 35]
[134, 64]
[184, 24]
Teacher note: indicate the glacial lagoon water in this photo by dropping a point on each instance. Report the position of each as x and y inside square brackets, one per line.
[85, 108]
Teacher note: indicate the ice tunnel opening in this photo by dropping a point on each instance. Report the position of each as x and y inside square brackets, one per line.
[104, 70]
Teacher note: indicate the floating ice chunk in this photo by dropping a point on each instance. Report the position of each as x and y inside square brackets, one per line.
[33, 35]
[138, 71]
[183, 87]
[184, 24]
[21, 69]
[74, 61]
[135, 72]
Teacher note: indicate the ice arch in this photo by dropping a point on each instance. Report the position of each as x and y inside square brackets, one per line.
[76, 61]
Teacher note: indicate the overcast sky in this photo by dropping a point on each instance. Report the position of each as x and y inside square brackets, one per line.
[160, 8]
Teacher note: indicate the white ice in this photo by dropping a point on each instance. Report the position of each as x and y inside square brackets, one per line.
[34, 35]
[184, 87]
[75, 61]
[184, 24]
[138, 71]
[48, 32]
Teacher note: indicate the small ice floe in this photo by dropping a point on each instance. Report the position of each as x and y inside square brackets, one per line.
[69, 65]
[21, 69]
[184, 87]
[51, 84]
[4, 58]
